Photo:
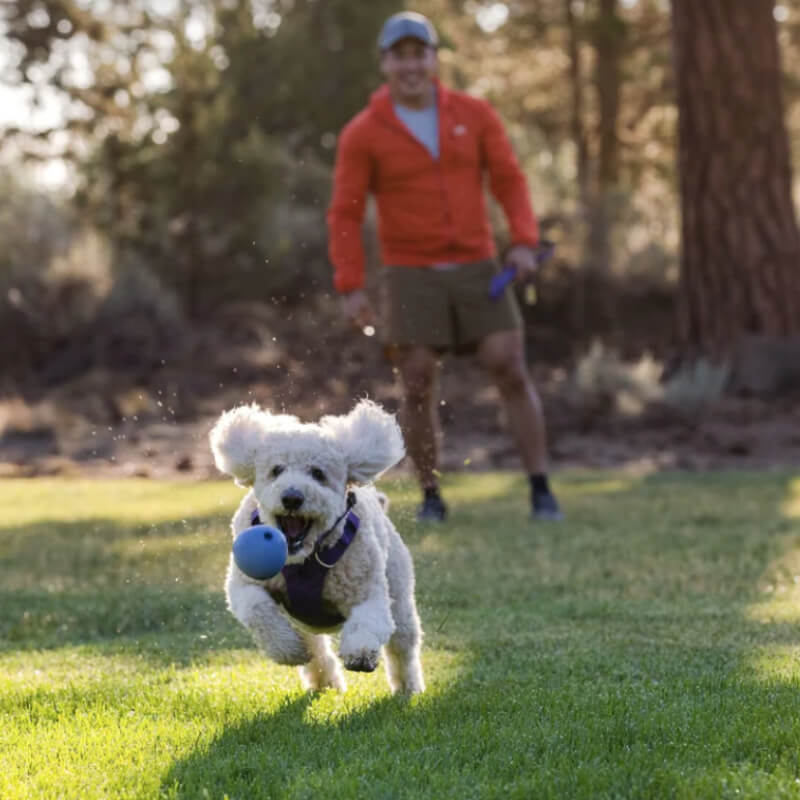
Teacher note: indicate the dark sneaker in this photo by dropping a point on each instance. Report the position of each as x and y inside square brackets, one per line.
[433, 508]
[545, 507]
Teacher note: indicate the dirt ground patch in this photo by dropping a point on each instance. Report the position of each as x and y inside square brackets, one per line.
[737, 433]
[123, 422]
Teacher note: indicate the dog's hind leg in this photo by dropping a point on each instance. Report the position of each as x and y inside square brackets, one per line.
[403, 664]
[324, 670]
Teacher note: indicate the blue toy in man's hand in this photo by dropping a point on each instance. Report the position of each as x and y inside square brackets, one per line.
[260, 551]
[499, 282]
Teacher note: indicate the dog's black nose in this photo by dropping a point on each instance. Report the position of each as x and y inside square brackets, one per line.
[292, 499]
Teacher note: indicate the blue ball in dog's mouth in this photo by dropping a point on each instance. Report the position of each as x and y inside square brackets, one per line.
[260, 551]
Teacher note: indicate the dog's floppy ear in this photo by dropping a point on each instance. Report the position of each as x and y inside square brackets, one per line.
[236, 438]
[370, 438]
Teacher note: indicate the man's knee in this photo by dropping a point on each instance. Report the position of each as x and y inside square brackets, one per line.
[503, 357]
[510, 375]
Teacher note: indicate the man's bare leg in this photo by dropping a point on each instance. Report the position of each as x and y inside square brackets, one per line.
[502, 354]
[419, 370]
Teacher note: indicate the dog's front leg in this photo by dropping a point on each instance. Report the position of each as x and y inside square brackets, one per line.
[323, 670]
[260, 614]
[367, 628]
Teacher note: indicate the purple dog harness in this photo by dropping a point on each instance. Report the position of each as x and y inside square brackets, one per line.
[304, 581]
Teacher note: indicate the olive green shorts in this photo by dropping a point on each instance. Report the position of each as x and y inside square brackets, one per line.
[445, 307]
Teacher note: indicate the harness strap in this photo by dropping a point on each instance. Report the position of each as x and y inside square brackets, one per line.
[305, 581]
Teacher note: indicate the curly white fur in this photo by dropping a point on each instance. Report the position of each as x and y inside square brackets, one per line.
[371, 586]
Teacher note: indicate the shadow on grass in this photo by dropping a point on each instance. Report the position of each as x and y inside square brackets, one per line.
[551, 730]
[44, 551]
[121, 618]
[368, 752]
[72, 583]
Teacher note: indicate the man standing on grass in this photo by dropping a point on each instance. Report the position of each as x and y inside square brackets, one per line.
[423, 150]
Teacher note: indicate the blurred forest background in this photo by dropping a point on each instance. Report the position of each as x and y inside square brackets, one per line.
[165, 169]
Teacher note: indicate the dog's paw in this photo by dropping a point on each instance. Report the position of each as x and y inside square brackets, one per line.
[365, 661]
[315, 680]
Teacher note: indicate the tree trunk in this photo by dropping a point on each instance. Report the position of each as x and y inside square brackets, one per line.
[740, 267]
[608, 39]
[577, 104]
[580, 140]
[598, 175]
[597, 151]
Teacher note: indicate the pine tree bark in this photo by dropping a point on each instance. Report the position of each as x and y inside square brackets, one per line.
[597, 147]
[607, 33]
[740, 264]
[580, 140]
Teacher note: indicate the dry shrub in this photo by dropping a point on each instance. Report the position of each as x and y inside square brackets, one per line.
[20, 417]
[92, 314]
[68, 304]
[696, 388]
[250, 325]
[30, 432]
[139, 324]
[242, 337]
[42, 307]
[766, 365]
[602, 380]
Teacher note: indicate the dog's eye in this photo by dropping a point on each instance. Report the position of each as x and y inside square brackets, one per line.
[317, 474]
[276, 470]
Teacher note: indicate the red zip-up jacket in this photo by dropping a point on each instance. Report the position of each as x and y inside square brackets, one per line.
[429, 211]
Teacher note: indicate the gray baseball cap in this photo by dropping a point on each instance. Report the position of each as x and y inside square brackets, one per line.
[407, 25]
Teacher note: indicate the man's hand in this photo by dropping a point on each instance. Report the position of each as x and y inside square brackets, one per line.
[357, 308]
[523, 258]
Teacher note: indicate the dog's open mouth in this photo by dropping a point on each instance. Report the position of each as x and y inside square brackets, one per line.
[295, 528]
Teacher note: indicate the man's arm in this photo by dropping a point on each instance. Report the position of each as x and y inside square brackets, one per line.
[507, 181]
[351, 178]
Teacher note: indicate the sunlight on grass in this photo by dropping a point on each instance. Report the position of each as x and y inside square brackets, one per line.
[74, 666]
[779, 583]
[128, 501]
[777, 610]
[791, 505]
[782, 605]
[779, 620]
[779, 661]
[107, 532]
[184, 547]
[601, 486]
[433, 544]
[487, 487]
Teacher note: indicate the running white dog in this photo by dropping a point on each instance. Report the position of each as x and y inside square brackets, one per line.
[348, 569]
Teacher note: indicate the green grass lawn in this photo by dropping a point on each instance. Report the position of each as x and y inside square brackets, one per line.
[648, 647]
